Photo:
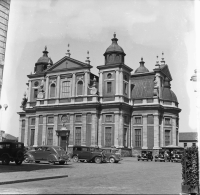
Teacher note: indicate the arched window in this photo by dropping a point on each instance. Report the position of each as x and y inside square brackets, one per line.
[80, 88]
[53, 90]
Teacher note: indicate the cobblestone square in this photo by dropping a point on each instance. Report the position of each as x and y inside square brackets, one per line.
[127, 177]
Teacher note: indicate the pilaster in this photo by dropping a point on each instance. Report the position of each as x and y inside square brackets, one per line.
[71, 136]
[86, 82]
[144, 136]
[20, 130]
[156, 132]
[117, 82]
[26, 139]
[116, 144]
[46, 89]
[83, 133]
[44, 129]
[174, 131]
[58, 89]
[161, 133]
[120, 131]
[93, 130]
[100, 131]
[100, 84]
[55, 137]
[73, 87]
[36, 130]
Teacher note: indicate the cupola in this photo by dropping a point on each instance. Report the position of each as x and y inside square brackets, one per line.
[114, 53]
[142, 68]
[43, 62]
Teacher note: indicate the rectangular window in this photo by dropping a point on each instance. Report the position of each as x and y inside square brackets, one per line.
[109, 87]
[66, 89]
[108, 135]
[193, 144]
[138, 120]
[137, 137]
[50, 136]
[35, 93]
[40, 119]
[108, 118]
[32, 136]
[32, 121]
[167, 121]
[126, 119]
[50, 120]
[150, 119]
[125, 137]
[78, 118]
[125, 88]
[78, 136]
[185, 144]
[167, 137]
[23, 123]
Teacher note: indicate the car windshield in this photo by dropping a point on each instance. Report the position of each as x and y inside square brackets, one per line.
[59, 148]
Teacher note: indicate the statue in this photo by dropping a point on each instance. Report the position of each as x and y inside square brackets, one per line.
[41, 90]
[93, 88]
[24, 101]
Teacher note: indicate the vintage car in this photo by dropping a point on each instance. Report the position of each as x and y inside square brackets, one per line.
[52, 154]
[11, 151]
[88, 154]
[177, 156]
[160, 157]
[145, 155]
[112, 155]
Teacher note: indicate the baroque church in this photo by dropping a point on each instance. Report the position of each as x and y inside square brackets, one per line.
[68, 105]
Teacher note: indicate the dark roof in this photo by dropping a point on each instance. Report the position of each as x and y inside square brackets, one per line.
[168, 95]
[142, 87]
[188, 136]
[10, 137]
[141, 69]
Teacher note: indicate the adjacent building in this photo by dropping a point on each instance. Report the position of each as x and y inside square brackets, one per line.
[188, 139]
[122, 108]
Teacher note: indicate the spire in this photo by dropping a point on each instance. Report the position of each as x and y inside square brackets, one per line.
[157, 62]
[87, 60]
[142, 62]
[68, 51]
[45, 52]
[114, 39]
[162, 61]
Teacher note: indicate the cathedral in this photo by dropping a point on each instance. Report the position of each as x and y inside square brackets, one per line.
[68, 105]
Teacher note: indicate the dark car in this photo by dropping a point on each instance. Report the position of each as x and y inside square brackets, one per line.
[11, 151]
[177, 156]
[145, 155]
[89, 154]
[160, 157]
[52, 154]
[112, 155]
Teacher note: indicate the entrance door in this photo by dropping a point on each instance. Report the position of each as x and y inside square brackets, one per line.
[63, 142]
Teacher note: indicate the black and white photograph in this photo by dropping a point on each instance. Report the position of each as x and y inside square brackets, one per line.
[99, 96]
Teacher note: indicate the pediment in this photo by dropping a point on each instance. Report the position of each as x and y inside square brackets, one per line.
[166, 72]
[68, 63]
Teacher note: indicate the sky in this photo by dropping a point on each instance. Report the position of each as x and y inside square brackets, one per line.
[144, 28]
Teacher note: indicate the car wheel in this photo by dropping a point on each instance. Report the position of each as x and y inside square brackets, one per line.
[5, 160]
[18, 162]
[62, 162]
[75, 159]
[111, 160]
[37, 161]
[20, 155]
[97, 160]
[26, 160]
[51, 162]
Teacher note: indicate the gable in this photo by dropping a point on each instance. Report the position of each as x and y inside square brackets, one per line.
[166, 72]
[67, 63]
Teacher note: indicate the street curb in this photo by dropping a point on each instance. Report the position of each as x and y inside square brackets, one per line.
[33, 179]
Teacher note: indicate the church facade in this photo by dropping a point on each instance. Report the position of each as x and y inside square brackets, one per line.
[68, 105]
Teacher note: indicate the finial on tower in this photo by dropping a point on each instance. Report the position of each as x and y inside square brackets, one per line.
[162, 61]
[157, 62]
[45, 48]
[114, 35]
[87, 60]
[68, 51]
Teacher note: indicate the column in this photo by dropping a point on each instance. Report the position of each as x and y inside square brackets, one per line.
[129, 88]
[120, 131]
[20, 130]
[100, 131]
[73, 87]
[58, 88]
[116, 143]
[144, 135]
[44, 130]
[71, 136]
[156, 131]
[86, 82]
[83, 132]
[26, 137]
[93, 130]
[161, 133]
[29, 94]
[55, 137]
[36, 130]
[100, 84]
[46, 89]
[174, 131]
[117, 80]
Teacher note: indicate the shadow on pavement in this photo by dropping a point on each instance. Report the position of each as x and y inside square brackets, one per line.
[12, 167]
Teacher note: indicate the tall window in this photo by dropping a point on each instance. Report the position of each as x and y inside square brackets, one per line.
[125, 137]
[53, 90]
[66, 89]
[108, 134]
[40, 119]
[50, 119]
[32, 121]
[109, 87]
[138, 120]
[80, 88]
[50, 136]
[23, 123]
[167, 137]
[32, 136]
[138, 138]
[78, 136]
[125, 88]
[150, 119]
[35, 93]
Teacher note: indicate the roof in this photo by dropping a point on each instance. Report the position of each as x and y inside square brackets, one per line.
[10, 137]
[141, 68]
[142, 87]
[188, 136]
[168, 95]
[45, 59]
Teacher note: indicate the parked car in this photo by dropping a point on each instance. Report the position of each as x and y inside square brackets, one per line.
[160, 157]
[145, 155]
[112, 155]
[11, 151]
[52, 154]
[89, 154]
[177, 156]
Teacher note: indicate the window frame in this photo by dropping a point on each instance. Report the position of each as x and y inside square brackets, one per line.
[138, 117]
[48, 129]
[111, 118]
[139, 140]
[109, 89]
[111, 134]
[75, 137]
[76, 117]
[50, 89]
[169, 141]
[82, 88]
[170, 121]
[68, 89]
[48, 121]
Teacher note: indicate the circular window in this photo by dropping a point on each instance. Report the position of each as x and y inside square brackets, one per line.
[109, 75]
[36, 83]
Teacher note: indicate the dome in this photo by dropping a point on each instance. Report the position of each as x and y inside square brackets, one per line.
[45, 59]
[168, 95]
[142, 68]
[114, 46]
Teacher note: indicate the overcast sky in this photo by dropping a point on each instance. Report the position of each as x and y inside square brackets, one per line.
[144, 29]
